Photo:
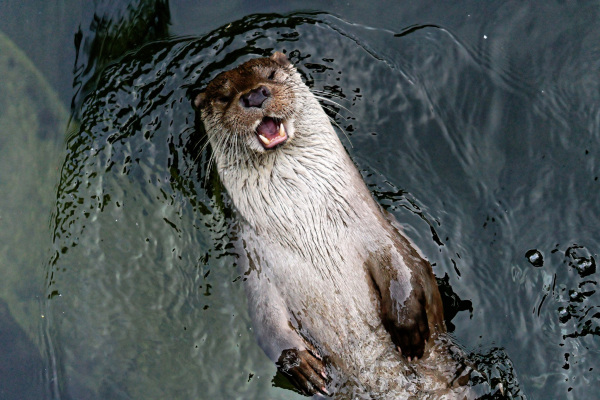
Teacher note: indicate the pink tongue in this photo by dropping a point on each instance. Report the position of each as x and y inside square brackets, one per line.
[268, 128]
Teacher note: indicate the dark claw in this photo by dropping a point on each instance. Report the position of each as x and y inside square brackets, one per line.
[305, 370]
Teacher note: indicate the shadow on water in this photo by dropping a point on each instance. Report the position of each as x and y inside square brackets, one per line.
[116, 28]
[144, 300]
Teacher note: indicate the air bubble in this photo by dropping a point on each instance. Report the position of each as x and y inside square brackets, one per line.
[535, 258]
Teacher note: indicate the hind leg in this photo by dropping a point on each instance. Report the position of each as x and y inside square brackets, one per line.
[411, 306]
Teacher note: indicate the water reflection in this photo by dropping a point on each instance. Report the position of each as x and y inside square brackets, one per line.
[21, 363]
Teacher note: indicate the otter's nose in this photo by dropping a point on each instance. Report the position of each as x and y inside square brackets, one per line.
[255, 97]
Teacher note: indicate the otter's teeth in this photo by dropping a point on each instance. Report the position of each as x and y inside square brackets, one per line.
[281, 130]
[264, 139]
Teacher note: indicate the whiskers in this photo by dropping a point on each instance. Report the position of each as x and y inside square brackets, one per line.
[233, 151]
[220, 146]
[325, 97]
[235, 148]
[197, 150]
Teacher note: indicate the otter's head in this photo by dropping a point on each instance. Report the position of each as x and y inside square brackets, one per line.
[252, 105]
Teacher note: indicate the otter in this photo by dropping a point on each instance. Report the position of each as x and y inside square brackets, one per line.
[339, 298]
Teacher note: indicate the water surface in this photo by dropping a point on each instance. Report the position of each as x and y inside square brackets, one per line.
[476, 124]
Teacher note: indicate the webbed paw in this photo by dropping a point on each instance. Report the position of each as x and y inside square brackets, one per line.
[305, 370]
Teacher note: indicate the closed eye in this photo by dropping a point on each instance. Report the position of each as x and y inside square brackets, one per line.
[272, 75]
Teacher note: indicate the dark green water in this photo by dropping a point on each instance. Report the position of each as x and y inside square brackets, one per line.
[476, 123]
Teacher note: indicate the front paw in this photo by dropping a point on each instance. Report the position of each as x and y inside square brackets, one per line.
[408, 324]
[305, 370]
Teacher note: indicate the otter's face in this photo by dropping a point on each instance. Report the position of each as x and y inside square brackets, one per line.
[252, 105]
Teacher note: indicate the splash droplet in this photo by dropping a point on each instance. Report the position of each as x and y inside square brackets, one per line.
[535, 258]
[579, 258]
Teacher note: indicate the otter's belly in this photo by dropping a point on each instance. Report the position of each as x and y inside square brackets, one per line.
[333, 304]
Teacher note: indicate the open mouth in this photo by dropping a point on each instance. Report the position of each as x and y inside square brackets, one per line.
[271, 132]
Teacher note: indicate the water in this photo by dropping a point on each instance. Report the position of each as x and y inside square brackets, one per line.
[475, 123]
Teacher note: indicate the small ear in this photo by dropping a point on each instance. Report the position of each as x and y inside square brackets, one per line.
[280, 59]
[199, 100]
